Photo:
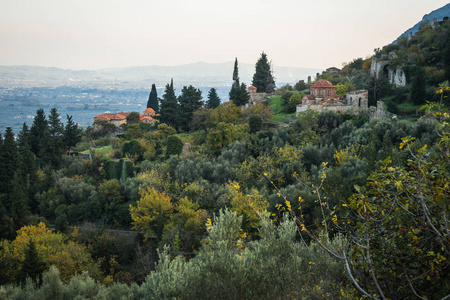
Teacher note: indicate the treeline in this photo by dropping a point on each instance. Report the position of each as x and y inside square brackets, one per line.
[26, 163]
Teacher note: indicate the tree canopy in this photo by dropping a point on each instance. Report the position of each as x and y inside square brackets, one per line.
[263, 78]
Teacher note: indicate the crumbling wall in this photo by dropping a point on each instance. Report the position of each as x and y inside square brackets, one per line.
[395, 76]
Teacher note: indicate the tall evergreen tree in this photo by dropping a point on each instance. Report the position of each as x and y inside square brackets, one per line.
[8, 161]
[56, 127]
[213, 98]
[23, 137]
[169, 106]
[153, 99]
[189, 101]
[37, 131]
[235, 74]
[263, 78]
[72, 134]
[56, 143]
[238, 93]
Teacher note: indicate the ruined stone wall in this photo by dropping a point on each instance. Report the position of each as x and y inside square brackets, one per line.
[395, 75]
[359, 98]
[320, 107]
[257, 97]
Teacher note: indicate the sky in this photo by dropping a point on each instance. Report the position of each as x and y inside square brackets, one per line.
[95, 34]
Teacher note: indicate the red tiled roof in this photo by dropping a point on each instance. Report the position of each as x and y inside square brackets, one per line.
[322, 83]
[109, 117]
[149, 111]
[146, 119]
[102, 117]
[309, 97]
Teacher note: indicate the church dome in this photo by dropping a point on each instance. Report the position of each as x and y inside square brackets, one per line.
[322, 83]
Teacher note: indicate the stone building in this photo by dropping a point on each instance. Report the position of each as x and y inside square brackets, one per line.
[147, 116]
[332, 70]
[323, 97]
[322, 88]
[255, 97]
[121, 117]
[116, 119]
[252, 89]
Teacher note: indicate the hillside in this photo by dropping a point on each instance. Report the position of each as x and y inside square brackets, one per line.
[439, 14]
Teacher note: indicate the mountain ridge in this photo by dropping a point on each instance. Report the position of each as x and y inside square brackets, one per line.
[202, 73]
[439, 14]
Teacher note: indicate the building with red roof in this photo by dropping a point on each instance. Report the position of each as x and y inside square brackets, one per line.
[252, 89]
[322, 88]
[121, 117]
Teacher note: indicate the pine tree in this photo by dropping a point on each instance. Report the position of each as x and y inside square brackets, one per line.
[32, 266]
[189, 101]
[213, 99]
[153, 99]
[169, 106]
[37, 131]
[263, 78]
[55, 143]
[23, 137]
[72, 134]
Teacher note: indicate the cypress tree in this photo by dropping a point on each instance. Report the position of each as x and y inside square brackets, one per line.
[153, 99]
[189, 101]
[213, 98]
[235, 74]
[238, 93]
[263, 78]
[169, 106]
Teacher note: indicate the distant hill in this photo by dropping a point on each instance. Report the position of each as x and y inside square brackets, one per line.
[198, 74]
[439, 14]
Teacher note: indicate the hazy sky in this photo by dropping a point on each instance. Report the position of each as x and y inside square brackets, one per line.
[91, 34]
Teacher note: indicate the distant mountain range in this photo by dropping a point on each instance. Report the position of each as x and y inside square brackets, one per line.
[197, 74]
[439, 14]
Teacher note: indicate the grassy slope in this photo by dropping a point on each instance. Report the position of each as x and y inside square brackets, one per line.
[278, 115]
